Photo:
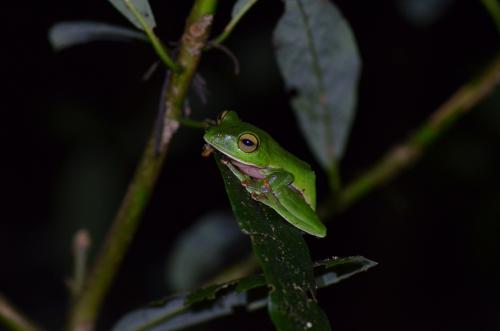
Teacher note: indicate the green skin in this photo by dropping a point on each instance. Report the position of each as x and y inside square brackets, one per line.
[269, 173]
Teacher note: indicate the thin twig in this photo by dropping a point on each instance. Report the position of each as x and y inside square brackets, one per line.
[81, 247]
[85, 310]
[237, 16]
[13, 319]
[407, 153]
[159, 48]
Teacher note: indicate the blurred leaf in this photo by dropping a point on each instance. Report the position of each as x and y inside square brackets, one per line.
[241, 6]
[423, 12]
[211, 243]
[319, 60]
[67, 34]
[283, 256]
[185, 310]
[142, 7]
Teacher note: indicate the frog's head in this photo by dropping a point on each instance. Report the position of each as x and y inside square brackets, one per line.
[239, 140]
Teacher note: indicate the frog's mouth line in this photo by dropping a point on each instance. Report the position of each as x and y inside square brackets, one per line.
[247, 169]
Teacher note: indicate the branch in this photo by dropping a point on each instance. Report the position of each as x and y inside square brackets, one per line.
[81, 247]
[13, 319]
[407, 153]
[86, 306]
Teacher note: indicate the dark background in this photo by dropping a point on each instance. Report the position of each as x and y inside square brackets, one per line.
[74, 124]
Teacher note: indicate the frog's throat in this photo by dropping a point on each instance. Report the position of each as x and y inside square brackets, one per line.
[247, 169]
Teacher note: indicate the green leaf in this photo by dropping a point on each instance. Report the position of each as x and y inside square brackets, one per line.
[182, 311]
[283, 256]
[142, 8]
[67, 34]
[318, 58]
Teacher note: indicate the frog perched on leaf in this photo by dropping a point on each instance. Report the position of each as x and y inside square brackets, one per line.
[268, 172]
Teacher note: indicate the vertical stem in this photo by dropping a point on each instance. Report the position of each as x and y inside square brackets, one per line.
[86, 307]
[334, 179]
[81, 246]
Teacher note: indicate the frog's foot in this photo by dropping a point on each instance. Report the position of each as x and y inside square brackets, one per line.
[207, 150]
[257, 196]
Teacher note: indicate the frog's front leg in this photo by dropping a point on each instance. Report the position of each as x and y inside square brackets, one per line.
[258, 189]
[273, 182]
[239, 174]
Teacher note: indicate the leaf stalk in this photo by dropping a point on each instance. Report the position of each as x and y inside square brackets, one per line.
[159, 48]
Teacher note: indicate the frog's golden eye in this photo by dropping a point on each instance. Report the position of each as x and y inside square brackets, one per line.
[248, 142]
[222, 115]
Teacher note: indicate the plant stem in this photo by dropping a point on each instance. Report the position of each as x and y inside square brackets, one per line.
[14, 320]
[405, 154]
[232, 24]
[85, 309]
[334, 180]
[81, 247]
[189, 123]
[157, 44]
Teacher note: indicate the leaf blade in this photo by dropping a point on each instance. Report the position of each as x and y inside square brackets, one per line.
[143, 8]
[223, 299]
[67, 34]
[318, 57]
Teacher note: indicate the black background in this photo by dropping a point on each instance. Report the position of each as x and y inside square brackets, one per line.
[74, 123]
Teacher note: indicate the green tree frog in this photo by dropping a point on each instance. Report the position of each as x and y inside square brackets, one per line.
[268, 172]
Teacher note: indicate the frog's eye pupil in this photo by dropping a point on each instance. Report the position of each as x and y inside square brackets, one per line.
[248, 142]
